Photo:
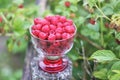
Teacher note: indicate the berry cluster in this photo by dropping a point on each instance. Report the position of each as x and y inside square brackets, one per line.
[53, 28]
[54, 34]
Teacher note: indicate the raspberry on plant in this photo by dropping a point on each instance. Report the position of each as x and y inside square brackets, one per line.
[67, 3]
[92, 21]
[1, 19]
[21, 6]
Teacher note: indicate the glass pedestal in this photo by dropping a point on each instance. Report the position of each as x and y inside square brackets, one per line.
[39, 74]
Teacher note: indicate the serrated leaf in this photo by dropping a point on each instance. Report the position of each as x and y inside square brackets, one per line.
[103, 55]
[116, 66]
[107, 10]
[102, 74]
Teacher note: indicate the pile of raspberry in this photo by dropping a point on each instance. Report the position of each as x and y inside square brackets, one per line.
[53, 28]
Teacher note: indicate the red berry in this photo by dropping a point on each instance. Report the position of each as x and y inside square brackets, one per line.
[59, 24]
[58, 36]
[118, 41]
[56, 44]
[59, 30]
[48, 18]
[62, 19]
[70, 21]
[51, 37]
[46, 28]
[52, 27]
[65, 36]
[69, 29]
[43, 35]
[54, 20]
[92, 21]
[44, 22]
[35, 32]
[67, 4]
[1, 19]
[37, 21]
[21, 6]
[37, 27]
[107, 25]
[66, 24]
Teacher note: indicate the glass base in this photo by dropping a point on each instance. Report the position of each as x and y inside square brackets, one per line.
[39, 74]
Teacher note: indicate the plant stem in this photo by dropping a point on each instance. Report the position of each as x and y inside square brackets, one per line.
[6, 21]
[89, 41]
[102, 12]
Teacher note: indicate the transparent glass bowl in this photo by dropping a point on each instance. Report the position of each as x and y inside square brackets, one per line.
[52, 49]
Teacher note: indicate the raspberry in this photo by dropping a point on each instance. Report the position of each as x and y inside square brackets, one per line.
[66, 24]
[54, 20]
[45, 28]
[48, 18]
[69, 29]
[92, 21]
[62, 19]
[42, 35]
[56, 44]
[37, 27]
[58, 36]
[59, 24]
[1, 19]
[67, 3]
[65, 36]
[37, 21]
[70, 21]
[59, 30]
[51, 37]
[44, 22]
[35, 32]
[20, 6]
[52, 27]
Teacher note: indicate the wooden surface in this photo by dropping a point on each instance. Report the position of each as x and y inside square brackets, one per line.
[29, 55]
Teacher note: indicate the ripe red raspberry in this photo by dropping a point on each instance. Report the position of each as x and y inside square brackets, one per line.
[37, 27]
[48, 18]
[67, 3]
[54, 21]
[58, 36]
[20, 6]
[1, 19]
[45, 28]
[35, 32]
[59, 24]
[67, 24]
[70, 29]
[92, 21]
[70, 21]
[52, 27]
[62, 19]
[65, 36]
[44, 22]
[37, 21]
[51, 37]
[43, 35]
[59, 30]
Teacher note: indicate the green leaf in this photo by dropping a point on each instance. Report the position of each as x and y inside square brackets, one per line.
[103, 55]
[107, 10]
[118, 36]
[116, 66]
[115, 77]
[102, 74]
[73, 8]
